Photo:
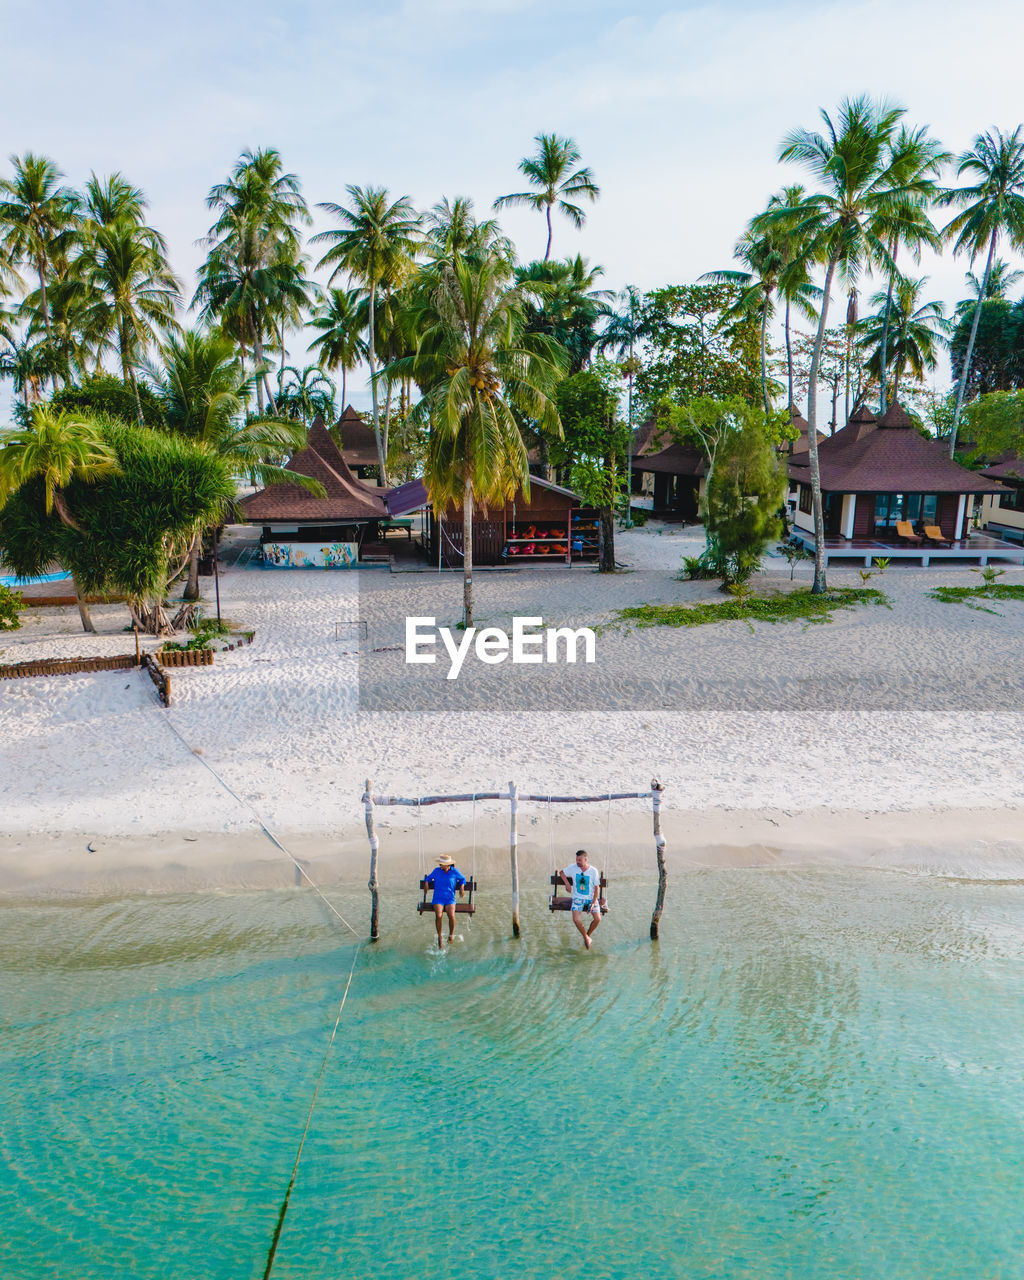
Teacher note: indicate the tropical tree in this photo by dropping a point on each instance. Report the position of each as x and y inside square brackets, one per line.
[451, 229]
[621, 336]
[374, 246]
[992, 207]
[132, 525]
[478, 369]
[1001, 279]
[56, 449]
[558, 183]
[842, 225]
[904, 333]
[562, 302]
[36, 215]
[341, 322]
[306, 393]
[203, 390]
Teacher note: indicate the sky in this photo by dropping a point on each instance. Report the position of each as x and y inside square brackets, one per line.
[679, 109]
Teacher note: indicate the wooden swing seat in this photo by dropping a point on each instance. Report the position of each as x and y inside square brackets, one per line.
[467, 908]
[563, 901]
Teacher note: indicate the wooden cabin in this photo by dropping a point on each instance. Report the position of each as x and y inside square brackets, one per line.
[301, 531]
[551, 526]
[671, 475]
[1002, 514]
[878, 472]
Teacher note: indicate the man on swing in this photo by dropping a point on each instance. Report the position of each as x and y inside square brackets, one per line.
[445, 880]
[584, 883]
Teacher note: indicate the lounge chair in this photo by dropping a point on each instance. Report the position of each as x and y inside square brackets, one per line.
[905, 531]
[934, 534]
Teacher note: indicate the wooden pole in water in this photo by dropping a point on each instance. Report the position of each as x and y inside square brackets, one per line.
[374, 846]
[659, 845]
[513, 845]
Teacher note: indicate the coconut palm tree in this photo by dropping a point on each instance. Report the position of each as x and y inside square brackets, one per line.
[478, 368]
[203, 391]
[28, 363]
[341, 322]
[992, 208]
[451, 228]
[55, 448]
[914, 332]
[562, 302]
[374, 246]
[852, 161]
[35, 213]
[552, 171]
[1001, 279]
[917, 159]
[126, 265]
[305, 394]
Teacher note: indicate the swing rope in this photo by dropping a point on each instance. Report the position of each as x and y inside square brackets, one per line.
[472, 870]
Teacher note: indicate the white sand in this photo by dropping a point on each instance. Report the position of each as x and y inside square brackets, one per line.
[916, 710]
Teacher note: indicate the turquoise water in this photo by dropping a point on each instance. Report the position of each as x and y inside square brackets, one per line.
[811, 1075]
[7, 581]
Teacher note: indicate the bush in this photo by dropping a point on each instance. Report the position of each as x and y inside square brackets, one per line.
[10, 603]
[107, 396]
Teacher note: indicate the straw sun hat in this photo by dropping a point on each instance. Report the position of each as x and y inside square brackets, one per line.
[446, 860]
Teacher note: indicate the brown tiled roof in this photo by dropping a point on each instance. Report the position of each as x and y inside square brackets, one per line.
[347, 498]
[358, 443]
[1009, 467]
[894, 458]
[676, 460]
[649, 438]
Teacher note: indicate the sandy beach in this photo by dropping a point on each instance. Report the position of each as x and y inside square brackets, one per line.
[893, 734]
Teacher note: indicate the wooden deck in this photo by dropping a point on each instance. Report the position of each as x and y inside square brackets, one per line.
[978, 548]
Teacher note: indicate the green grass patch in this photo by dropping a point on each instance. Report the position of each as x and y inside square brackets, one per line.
[789, 606]
[969, 595]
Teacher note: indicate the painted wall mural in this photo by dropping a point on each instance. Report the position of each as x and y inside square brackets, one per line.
[309, 555]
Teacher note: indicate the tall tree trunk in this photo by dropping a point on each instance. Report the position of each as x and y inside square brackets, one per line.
[41, 271]
[764, 356]
[883, 399]
[343, 388]
[467, 554]
[789, 355]
[191, 591]
[820, 585]
[965, 371]
[257, 351]
[373, 386]
[547, 251]
[606, 530]
[83, 607]
[386, 435]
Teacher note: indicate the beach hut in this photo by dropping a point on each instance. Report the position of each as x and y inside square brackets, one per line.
[551, 525]
[302, 531]
[357, 444]
[880, 476]
[1003, 513]
[670, 475]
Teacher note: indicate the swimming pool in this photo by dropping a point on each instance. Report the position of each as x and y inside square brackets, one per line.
[812, 1074]
[7, 580]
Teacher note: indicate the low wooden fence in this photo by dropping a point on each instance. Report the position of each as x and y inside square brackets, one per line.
[159, 677]
[185, 657]
[65, 666]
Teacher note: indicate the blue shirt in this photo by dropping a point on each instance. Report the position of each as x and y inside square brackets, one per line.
[444, 881]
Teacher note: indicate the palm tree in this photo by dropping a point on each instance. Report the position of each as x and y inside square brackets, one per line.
[916, 161]
[992, 207]
[852, 161]
[35, 212]
[552, 171]
[112, 199]
[126, 264]
[28, 363]
[562, 302]
[451, 228]
[916, 330]
[374, 246]
[203, 390]
[1001, 279]
[308, 393]
[56, 448]
[624, 328]
[253, 279]
[478, 368]
[341, 322]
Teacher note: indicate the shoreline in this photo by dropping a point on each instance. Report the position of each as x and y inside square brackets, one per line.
[970, 844]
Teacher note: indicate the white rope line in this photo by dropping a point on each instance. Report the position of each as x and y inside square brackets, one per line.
[263, 827]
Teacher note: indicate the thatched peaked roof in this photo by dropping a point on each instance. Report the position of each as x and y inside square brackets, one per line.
[347, 498]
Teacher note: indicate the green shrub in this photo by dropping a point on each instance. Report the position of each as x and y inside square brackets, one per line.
[10, 603]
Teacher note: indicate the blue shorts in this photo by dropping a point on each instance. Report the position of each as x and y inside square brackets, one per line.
[587, 904]
[442, 902]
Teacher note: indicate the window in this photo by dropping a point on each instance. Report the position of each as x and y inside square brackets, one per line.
[891, 508]
[805, 498]
[1013, 499]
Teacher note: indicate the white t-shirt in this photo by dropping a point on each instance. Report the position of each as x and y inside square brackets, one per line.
[584, 883]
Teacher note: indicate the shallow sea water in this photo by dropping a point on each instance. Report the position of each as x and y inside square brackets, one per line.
[813, 1074]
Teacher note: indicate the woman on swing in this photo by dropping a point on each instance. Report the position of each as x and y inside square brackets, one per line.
[446, 880]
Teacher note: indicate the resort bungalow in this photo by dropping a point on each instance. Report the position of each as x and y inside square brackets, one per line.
[670, 475]
[1002, 514]
[302, 531]
[887, 490]
[358, 444]
[551, 526]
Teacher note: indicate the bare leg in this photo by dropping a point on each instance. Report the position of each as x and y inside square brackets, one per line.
[593, 925]
[450, 913]
[438, 919]
[577, 919]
